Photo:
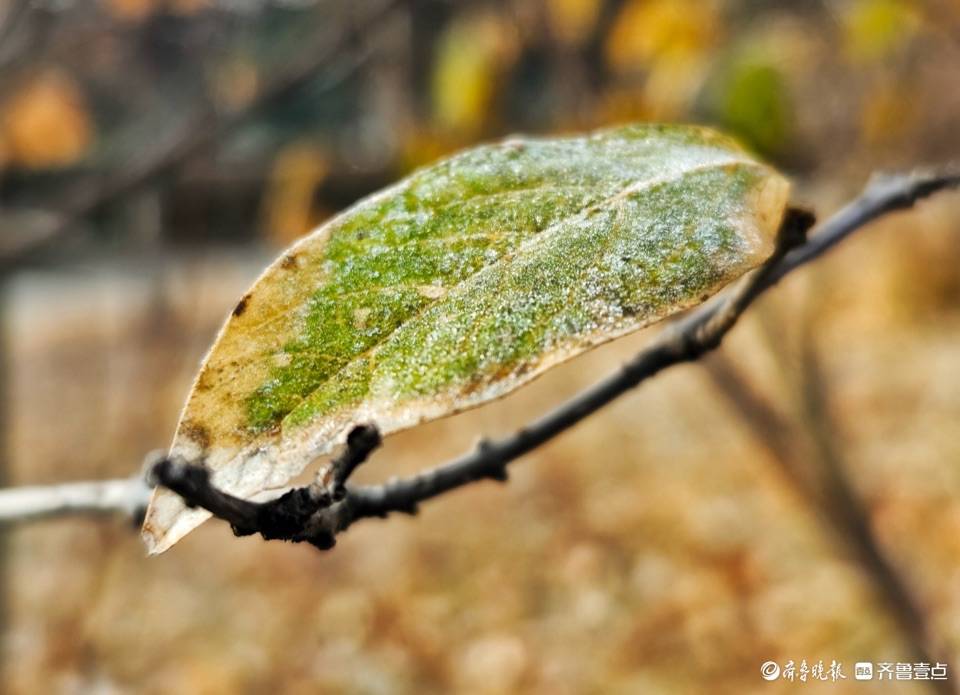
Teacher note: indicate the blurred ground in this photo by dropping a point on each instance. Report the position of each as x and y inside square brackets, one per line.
[654, 548]
[657, 548]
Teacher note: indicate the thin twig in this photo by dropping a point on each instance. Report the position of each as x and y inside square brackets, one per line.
[361, 442]
[126, 496]
[884, 194]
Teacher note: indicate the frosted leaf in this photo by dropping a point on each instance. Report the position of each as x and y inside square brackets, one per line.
[459, 284]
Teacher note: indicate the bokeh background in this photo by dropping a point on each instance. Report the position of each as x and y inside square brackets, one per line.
[794, 497]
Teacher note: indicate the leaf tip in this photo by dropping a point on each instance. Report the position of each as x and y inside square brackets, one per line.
[168, 520]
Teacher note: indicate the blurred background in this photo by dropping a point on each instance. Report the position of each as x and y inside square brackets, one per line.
[794, 497]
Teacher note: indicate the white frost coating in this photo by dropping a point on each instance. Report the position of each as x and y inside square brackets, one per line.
[270, 462]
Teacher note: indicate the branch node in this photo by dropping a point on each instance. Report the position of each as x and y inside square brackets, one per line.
[323, 541]
[498, 473]
[286, 516]
[152, 458]
[484, 445]
[362, 441]
[793, 231]
[181, 477]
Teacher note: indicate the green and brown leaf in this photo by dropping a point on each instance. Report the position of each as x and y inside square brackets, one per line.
[461, 283]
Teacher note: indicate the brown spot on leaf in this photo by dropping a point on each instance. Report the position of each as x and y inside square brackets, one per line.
[197, 433]
[504, 371]
[203, 381]
[471, 387]
[289, 262]
[241, 305]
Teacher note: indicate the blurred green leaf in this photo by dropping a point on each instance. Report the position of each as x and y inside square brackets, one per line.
[748, 95]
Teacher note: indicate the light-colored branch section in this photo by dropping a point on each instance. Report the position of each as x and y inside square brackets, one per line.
[126, 497]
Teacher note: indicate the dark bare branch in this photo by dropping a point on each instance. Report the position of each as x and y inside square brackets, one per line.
[684, 341]
[884, 194]
[318, 512]
[286, 517]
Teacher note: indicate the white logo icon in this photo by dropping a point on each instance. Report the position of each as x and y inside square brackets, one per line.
[770, 670]
[863, 671]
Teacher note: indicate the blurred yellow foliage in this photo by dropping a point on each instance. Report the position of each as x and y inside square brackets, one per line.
[669, 41]
[46, 123]
[672, 85]
[657, 30]
[875, 28]
[288, 211]
[471, 55]
[572, 20]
